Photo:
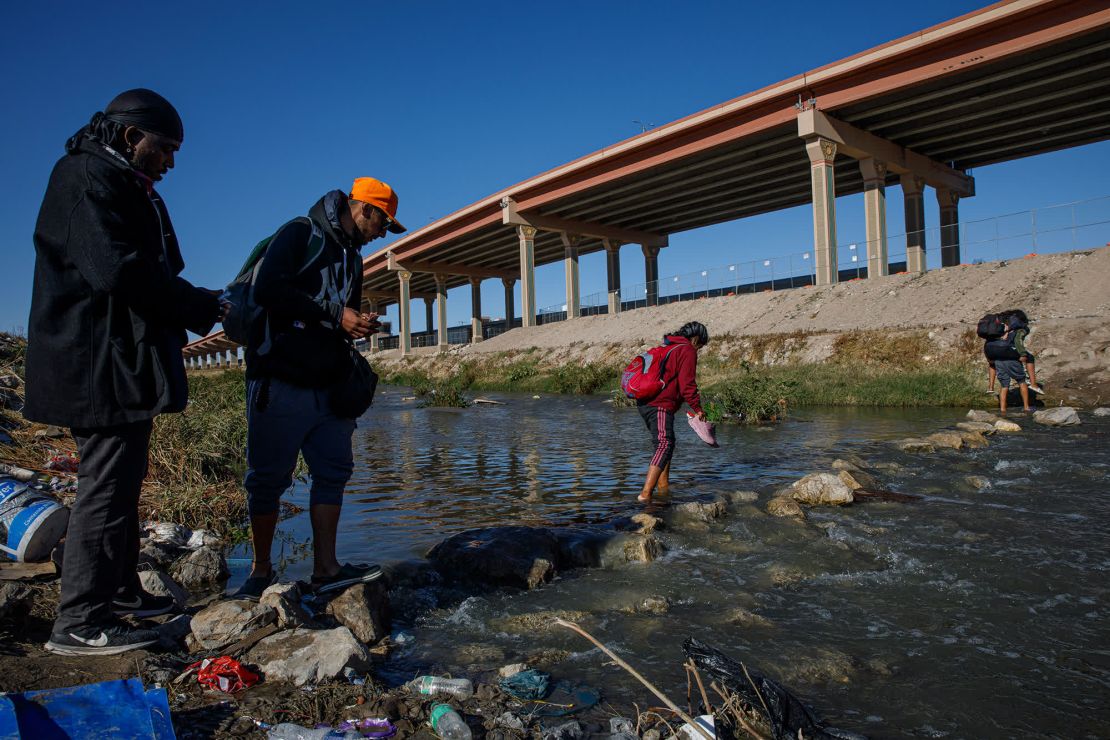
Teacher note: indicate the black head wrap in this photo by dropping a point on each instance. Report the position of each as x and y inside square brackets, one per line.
[141, 108]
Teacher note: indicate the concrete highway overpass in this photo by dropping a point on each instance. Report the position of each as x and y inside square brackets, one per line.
[1014, 79]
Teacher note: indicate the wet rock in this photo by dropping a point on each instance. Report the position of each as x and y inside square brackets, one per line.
[304, 656]
[16, 601]
[646, 523]
[915, 444]
[950, 440]
[742, 497]
[159, 554]
[632, 548]
[820, 489]
[849, 480]
[1061, 416]
[982, 427]
[225, 622]
[652, 734]
[1006, 426]
[51, 432]
[977, 482]
[203, 538]
[167, 533]
[980, 415]
[363, 609]
[866, 495]
[699, 511]
[566, 731]
[822, 667]
[158, 583]
[861, 476]
[547, 658]
[784, 506]
[974, 440]
[522, 557]
[534, 622]
[622, 726]
[654, 605]
[285, 600]
[782, 575]
[201, 567]
[512, 669]
[1101, 411]
[742, 617]
[477, 654]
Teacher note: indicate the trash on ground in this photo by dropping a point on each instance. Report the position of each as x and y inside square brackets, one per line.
[526, 685]
[460, 688]
[80, 711]
[31, 523]
[224, 674]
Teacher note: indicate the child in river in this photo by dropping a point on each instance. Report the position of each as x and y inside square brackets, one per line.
[680, 384]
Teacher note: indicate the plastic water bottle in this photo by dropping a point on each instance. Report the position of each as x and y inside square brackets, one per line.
[460, 688]
[448, 724]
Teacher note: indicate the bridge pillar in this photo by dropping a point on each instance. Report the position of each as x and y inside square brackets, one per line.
[429, 313]
[527, 236]
[913, 194]
[949, 202]
[651, 273]
[404, 319]
[874, 204]
[373, 306]
[510, 304]
[441, 311]
[570, 267]
[475, 310]
[822, 175]
[613, 274]
[232, 359]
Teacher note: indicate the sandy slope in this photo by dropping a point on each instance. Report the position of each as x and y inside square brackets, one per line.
[1067, 295]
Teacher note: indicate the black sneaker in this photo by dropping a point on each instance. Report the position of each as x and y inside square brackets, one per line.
[107, 640]
[252, 588]
[142, 604]
[348, 575]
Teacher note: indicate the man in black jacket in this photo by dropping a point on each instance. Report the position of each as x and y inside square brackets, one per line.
[310, 287]
[108, 319]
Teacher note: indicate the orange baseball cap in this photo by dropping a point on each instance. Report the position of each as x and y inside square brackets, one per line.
[377, 193]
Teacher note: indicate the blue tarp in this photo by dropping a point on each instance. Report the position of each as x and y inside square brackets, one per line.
[110, 709]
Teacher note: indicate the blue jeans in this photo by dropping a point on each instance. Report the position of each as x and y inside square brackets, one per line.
[285, 419]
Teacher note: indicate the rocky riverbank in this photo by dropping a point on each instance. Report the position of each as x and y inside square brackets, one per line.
[848, 344]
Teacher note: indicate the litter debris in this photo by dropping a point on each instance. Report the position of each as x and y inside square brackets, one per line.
[63, 462]
[80, 711]
[224, 674]
[526, 685]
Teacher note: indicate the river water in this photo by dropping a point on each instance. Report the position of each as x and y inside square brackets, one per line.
[970, 614]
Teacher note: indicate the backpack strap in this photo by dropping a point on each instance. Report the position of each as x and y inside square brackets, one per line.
[663, 362]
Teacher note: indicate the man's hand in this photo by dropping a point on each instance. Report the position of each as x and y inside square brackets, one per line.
[700, 416]
[358, 325]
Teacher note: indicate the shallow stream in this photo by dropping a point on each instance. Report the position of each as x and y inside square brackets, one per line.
[970, 614]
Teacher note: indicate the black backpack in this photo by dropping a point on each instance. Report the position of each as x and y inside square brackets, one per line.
[991, 327]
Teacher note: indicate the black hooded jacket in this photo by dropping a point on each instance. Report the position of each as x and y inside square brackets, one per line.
[108, 310]
[304, 293]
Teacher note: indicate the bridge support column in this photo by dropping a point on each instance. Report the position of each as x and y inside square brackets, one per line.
[441, 311]
[874, 204]
[913, 195]
[429, 313]
[613, 274]
[510, 304]
[475, 310]
[372, 340]
[651, 273]
[527, 236]
[232, 359]
[822, 175]
[949, 202]
[404, 319]
[570, 267]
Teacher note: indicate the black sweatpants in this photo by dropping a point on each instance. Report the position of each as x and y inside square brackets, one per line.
[102, 543]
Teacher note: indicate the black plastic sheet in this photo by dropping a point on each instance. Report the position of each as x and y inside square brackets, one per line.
[787, 716]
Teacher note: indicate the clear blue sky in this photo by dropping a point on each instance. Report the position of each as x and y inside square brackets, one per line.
[447, 101]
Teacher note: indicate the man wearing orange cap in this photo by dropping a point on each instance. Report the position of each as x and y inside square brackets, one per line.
[309, 286]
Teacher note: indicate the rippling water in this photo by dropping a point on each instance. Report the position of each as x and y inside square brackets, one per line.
[973, 613]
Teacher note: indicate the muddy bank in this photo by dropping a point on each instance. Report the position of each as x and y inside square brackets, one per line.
[925, 322]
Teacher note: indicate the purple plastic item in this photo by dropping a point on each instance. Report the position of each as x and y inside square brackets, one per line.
[370, 727]
[704, 429]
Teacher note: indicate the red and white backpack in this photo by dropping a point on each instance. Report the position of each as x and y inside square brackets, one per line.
[642, 379]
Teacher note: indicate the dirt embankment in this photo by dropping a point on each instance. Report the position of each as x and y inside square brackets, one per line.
[1067, 295]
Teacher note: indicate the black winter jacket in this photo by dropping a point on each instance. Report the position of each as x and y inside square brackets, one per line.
[108, 310]
[301, 339]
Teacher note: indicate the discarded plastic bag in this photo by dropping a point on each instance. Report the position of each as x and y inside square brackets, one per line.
[369, 727]
[526, 685]
[565, 698]
[62, 462]
[224, 674]
[80, 712]
[786, 714]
